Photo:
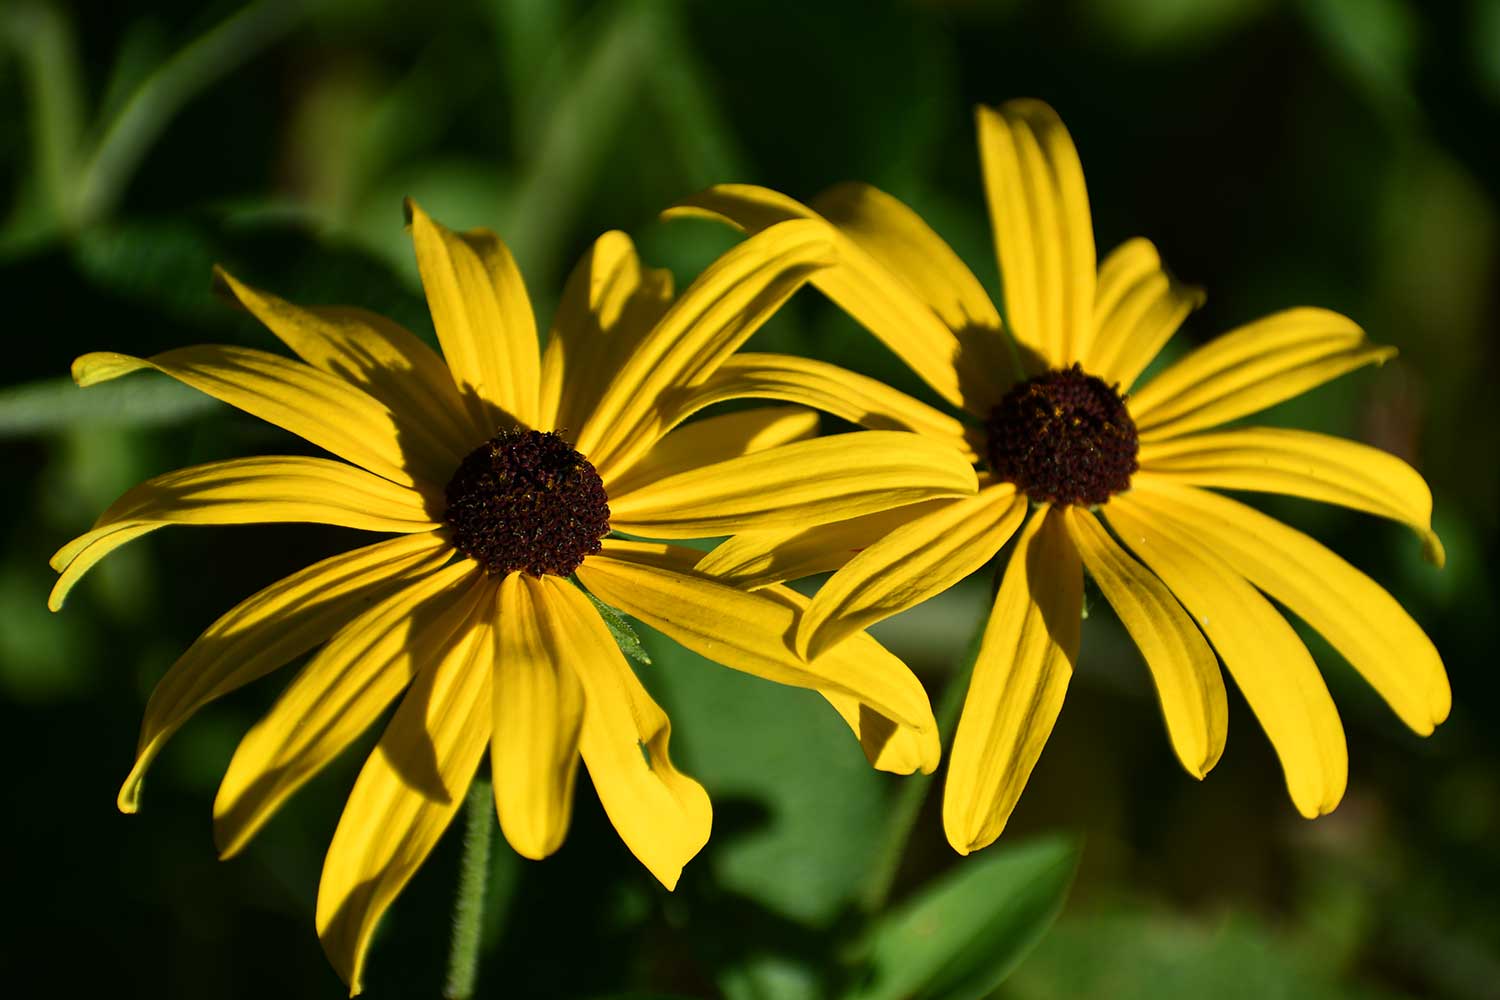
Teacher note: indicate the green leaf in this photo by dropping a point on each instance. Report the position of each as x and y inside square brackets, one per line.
[54, 404]
[625, 636]
[966, 932]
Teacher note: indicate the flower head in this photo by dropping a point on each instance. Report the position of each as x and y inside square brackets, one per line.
[502, 472]
[1093, 473]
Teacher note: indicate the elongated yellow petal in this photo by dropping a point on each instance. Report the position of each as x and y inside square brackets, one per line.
[339, 694]
[483, 319]
[1137, 308]
[271, 628]
[717, 439]
[856, 398]
[1188, 682]
[244, 491]
[1044, 236]
[1263, 654]
[757, 559]
[878, 298]
[381, 358]
[708, 322]
[750, 632]
[608, 304]
[538, 711]
[804, 483]
[1352, 612]
[663, 816]
[918, 560]
[405, 796]
[1020, 677]
[1303, 464]
[1251, 368]
[312, 404]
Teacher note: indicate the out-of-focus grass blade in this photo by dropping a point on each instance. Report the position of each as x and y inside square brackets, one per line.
[966, 932]
[55, 404]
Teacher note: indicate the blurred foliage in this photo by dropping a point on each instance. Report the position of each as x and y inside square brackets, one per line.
[1332, 152]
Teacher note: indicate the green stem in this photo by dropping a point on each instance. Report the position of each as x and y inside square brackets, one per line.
[468, 906]
[42, 38]
[908, 804]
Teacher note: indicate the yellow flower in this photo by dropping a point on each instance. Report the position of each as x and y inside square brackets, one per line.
[478, 467]
[1062, 444]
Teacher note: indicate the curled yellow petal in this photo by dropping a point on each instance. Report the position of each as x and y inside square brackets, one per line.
[1183, 667]
[538, 711]
[1350, 610]
[1137, 308]
[1303, 464]
[918, 560]
[483, 319]
[804, 483]
[405, 797]
[1044, 235]
[1269, 663]
[1020, 677]
[1245, 371]
[661, 814]
[339, 694]
[271, 628]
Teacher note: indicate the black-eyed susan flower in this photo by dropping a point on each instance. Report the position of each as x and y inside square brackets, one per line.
[1079, 460]
[503, 475]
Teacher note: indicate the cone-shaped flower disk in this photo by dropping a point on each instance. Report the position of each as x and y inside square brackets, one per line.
[1090, 475]
[502, 474]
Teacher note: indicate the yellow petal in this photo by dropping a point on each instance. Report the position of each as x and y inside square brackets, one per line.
[1251, 368]
[887, 744]
[1303, 464]
[317, 407]
[339, 694]
[1044, 237]
[1188, 682]
[918, 560]
[717, 439]
[710, 320]
[1352, 612]
[1020, 677]
[538, 710]
[878, 298]
[1268, 662]
[272, 628]
[750, 632]
[244, 491]
[1137, 308]
[804, 483]
[405, 796]
[381, 358]
[855, 398]
[483, 319]
[608, 304]
[663, 816]
[756, 559]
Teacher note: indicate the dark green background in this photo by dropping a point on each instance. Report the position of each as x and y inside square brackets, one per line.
[1333, 152]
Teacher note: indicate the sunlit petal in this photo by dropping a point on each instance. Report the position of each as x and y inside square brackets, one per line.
[1137, 308]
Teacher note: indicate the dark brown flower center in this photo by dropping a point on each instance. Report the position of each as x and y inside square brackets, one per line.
[525, 500]
[1063, 437]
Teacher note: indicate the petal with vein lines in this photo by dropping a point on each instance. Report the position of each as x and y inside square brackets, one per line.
[1352, 612]
[405, 797]
[1020, 677]
[717, 439]
[1247, 370]
[1137, 308]
[1269, 663]
[340, 693]
[271, 628]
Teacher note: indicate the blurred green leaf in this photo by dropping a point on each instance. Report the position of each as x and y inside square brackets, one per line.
[1171, 24]
[53, 404]
[1376, 43]
[625, 636]
[962, 935]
